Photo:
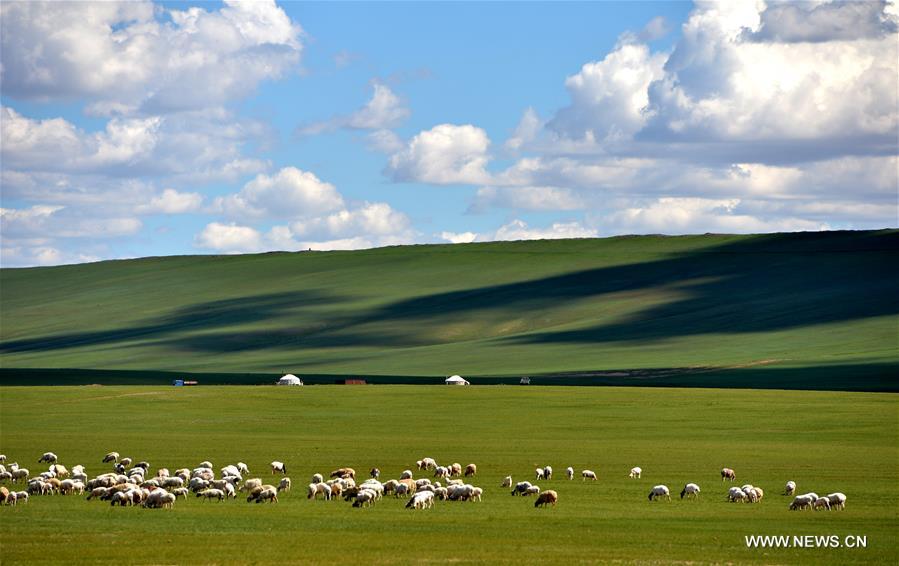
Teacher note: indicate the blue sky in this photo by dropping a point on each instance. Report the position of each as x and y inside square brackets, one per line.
[146, 128]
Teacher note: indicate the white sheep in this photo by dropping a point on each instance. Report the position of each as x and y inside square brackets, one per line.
[421, 500]
[735, 494]
[21, 496]
[172, 482]
[269, 494]
[243, 469]
[18, 474]
[181, 492]
[316, 488]
[635, 472]
[548, 472]
[521, 487]
[570, 471]
[588, 474]
[11, 498]
[205, 464]
[507, 482]
[658, 492]
[532, 490]
[111, 457]
[406, 475]
[365, 497]
[790, 488]
[212, 494]
[690, 490]
[538, 473]
[278, 467]
[442, 472]
[317, 478]
[837, 500]
[821, 503]
[426, 463]
[284, 485]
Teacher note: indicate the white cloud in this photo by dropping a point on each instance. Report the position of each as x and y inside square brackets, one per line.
[370, 220]
[229, 238]
[126, 58]
[45, 222]
[823, 21]
[526, 198]
[172, 202]
[519, 230]
[695, 215]
[459, 237]
[527, 130]
[383, 111]
[384, 141]
[29, 256]
[289, 193]
[446, 154]
[656, 28]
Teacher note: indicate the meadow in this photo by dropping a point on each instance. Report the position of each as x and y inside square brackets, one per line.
[825, 441]
[804, 310]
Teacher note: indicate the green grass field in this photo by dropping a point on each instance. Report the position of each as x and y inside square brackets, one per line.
[815, 309]
[825, 441]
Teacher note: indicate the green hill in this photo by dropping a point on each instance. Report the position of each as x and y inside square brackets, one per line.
[806, 309]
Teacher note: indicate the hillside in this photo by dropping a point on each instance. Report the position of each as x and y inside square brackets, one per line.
[824, 303]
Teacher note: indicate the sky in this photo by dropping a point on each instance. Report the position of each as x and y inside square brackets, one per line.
[168, 128]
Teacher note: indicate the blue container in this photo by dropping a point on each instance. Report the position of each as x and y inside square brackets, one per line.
[178, 383]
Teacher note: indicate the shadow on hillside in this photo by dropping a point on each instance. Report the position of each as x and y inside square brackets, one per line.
[764, 283]
[201, 316]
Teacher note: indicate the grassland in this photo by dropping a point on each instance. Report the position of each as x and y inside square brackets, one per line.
[824, 441]
[818, 310]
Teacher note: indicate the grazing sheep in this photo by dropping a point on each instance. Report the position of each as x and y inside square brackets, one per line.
[205, 464]
[317, 478]
[2, 457]
[837, 500]
[270, 495]
[426, 463]
[422, 500]
[212, 494]
[533, 490]
[98, 492]
[230, 470]
[284, 485]
[728, 474]
[278, 467]
[243, 469]
[441, 493]
[173, 482]
[759, 492]
[198, 484]
[441, 472]
[547, 497]
[588, 474]
[111, 457]
[570, 472]
[507, 482]
[423, 482]
[19, 473]
[471, 470]
[4, 493]
[548, 472]
[363, 497]
[344, 473]
[11, 498]
[521, 487]
[821, 503]
[455, 470]
[659, 491]
[125, 462]
[48, 457]
[181, 492]
[538, 473]
[736, 494]
[635, 472]
[406, 475]
[21, 497]
[374, 473]
[691, 489]
[315, 488]
[77, 469]
[790, 488]
[161, 473]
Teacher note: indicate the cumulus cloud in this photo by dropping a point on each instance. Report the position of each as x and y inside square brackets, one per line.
[229, 238]
[526, 131]
[526, 198]
[518, 229]
[289, 193]
[42, 223]
[459, 237]
[172, 202]
[446, 154]
[128, 57]
[383, 111]
[793, 22]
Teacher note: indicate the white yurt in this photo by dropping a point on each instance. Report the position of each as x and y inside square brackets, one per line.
[290, 379]
[456, 380]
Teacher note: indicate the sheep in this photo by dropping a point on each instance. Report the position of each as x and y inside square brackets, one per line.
[230, 470]
[243, 469]
[125, 462]
[317, 478]
[48, 457]
[205, 464]
[4, 493]
[2, 457]
[173, 482]
[548, 472]
[21, 497]
[533, 490]
[98, 492]
[691, 489]
[790, 488]
[441, 472]
[211, 494]
[538, 473]
[471, 470]
[426, 463]
[11, 498]
[570, 472]
[476, 494]
[284, 485]
[736, 494]
[588, 474]
[547, 497]
[315, 488]
[821, 502]
[422, 482]
[837, 500]
[230, 491]
[5, 476]
[198, 484]
[759, 492]
[336, 489]
[521, 487]
[161, 473]
[441, 493]
[77, 469]
[344, 473]
[183, 473]
[111, 457]
[374, 473]
[507, 482]
[278, 467]
[407, 474]
[167, 500]
[728, 474]
[423, 500]
[363, 497]
[19, 473]
[455, 469]
[635, 472]
[658, 492]
[182, 492]
[145, 465]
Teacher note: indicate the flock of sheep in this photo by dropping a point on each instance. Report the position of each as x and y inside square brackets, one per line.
[129, 483]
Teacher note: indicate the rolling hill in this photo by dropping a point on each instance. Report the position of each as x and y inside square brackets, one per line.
[808, 310]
